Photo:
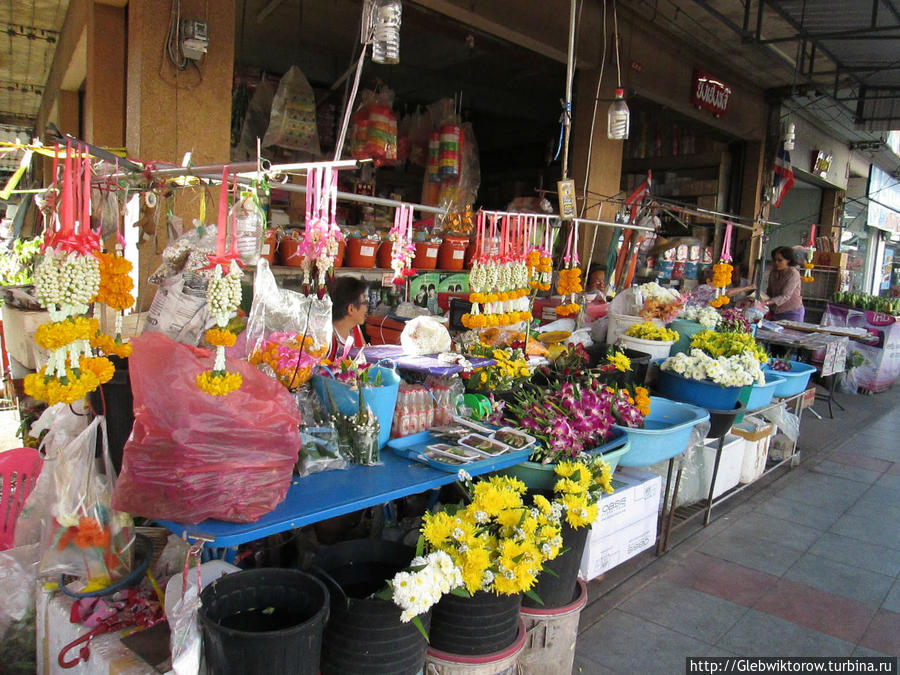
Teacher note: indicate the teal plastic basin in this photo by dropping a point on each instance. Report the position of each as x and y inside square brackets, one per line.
[666, 433]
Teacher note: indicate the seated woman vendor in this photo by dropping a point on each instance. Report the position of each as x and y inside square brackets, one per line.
[349, 307]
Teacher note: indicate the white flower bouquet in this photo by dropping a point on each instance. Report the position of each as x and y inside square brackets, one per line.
[705, 316]
[729, 371]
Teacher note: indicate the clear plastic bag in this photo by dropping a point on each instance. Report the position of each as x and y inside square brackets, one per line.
[185, 640]
[86, 538]
[287, 330]
[256, 121]
[786, 422]
[63, 425]
[18, 572]
[171, 559]
[187, 253]
[292, 124]
[320, 450]
[193, 456]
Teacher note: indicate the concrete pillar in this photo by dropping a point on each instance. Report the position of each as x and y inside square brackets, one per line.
[170, 112]
[104, 94]
[605, 172]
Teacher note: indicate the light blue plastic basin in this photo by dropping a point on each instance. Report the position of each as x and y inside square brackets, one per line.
[759, 395]
[793, 381]
[666, 432]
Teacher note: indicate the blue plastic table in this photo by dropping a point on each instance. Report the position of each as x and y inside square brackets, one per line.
[333, 493]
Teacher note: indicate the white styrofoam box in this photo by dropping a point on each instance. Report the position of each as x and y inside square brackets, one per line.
[603, 553]
[636, 495]
[730, 465]
[19, 327]
[754, 461]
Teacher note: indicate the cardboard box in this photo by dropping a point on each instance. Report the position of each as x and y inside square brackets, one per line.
[753, 429]
[603, 553]
[636, 496]
[19, 326]
[830, 259]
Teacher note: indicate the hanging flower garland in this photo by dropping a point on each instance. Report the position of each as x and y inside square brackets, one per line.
[540, 261]
[223, 297]
[810, 249]
[403, 250]
[115, 292]
[322, 234]
[722, 272]
[499, 276]
[569, 282]
[66, 282]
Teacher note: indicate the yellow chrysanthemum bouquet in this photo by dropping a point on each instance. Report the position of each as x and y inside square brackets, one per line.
[581, 485]
[498, 542]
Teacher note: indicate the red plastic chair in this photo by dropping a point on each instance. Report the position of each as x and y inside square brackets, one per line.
[19, 470]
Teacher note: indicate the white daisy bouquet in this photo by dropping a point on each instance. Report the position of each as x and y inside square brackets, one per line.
[705, 315]
[740, 370]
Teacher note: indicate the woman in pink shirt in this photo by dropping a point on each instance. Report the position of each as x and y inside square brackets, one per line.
[784, 286]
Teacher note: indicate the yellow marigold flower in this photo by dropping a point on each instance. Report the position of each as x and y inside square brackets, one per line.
[220, 337]
[218, 385]
[101, 366]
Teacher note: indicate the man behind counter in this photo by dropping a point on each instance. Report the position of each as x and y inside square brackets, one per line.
[349, 307]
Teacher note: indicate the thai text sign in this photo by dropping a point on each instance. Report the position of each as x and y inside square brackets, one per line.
[709, 93]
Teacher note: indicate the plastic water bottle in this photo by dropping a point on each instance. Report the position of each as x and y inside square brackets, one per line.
[618, 118]
[249, 224]
[386, 45]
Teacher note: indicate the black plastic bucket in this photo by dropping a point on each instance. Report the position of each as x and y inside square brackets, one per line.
[264, 621]
[720, 421]
[482, 624]
[365, 635]
[115, 402]
[560, 590]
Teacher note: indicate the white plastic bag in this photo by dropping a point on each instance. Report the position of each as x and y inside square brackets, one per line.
[185, 641]
[292, 124]
[425, 335]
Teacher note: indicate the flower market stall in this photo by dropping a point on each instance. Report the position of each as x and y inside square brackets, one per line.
[318, 473]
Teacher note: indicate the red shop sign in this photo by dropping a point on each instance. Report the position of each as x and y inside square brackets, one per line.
[709, 93]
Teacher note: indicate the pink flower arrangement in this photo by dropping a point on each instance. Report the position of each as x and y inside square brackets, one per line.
[572, 418]
[733, 321]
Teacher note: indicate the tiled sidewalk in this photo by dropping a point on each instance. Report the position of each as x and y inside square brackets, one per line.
[807, 565]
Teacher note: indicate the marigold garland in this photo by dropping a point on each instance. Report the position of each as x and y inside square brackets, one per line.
[721, 275]
[217, 384]
[101, 366]
[223, 296]
[115, 281]
[57, 334]
[219, 337]
[111, 346]
[72, 387]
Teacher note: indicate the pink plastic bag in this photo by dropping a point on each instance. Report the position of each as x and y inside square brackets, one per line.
[193, 456]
